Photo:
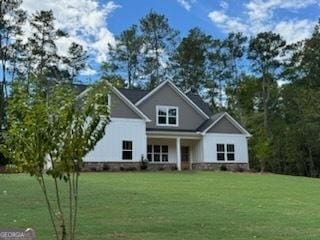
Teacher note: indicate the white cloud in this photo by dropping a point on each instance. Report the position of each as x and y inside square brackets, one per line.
[83, 20]
[186, 4]
[295, 30]
[261, 10]
[88, 72]
[259, 16]
[229, 24]
[224, 5]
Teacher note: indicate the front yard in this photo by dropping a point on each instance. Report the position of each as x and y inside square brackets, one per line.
[172, 205]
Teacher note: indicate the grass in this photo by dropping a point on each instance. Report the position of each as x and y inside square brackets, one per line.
[180, 206]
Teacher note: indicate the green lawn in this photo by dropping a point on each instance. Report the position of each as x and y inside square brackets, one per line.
[164, 205]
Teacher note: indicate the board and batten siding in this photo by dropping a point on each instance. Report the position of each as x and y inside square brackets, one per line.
[224, 126]
[188, 117]
[210, 140]
[109, 148]
[119, 109]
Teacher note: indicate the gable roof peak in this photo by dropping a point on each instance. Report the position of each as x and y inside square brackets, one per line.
[216, 118]
[178, 91]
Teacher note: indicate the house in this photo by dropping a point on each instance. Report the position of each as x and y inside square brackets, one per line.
[171, 130]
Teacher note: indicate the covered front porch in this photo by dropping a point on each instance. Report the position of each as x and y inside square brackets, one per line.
[172, 150]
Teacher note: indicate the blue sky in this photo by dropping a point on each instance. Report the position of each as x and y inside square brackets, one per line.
[180, 18]
[95, 23]
[218, 17]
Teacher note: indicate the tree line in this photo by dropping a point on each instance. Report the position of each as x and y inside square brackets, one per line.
[32, 55]
[270, 86]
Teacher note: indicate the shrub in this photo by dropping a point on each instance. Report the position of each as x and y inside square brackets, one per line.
[106, 167]
[11, 168]
[223, 168]
[174, 168]
[144, 163]
[131, 169]
[3, 161]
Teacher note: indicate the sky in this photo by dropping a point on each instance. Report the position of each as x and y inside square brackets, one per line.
[95, 23]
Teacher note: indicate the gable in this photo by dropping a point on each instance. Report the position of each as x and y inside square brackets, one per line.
[224, 125]
[189, 118]
[119, 109]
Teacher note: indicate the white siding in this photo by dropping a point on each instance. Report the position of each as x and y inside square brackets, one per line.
[198, 151]
[210, 140]
[109, 148]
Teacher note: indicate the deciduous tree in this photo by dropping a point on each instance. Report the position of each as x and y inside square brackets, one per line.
[51, 136]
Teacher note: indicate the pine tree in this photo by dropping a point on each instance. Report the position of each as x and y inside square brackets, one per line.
[219, 72]
[159, 41]
[75, 60]
[264, 52]
[126, 54]
[190, 60]
[44, 60]
[235, 45]
[11, 20]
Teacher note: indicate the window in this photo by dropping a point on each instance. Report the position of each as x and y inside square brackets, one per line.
[126, 150]
[230, 152]
[167, 116]
[149, 153]
[225, 152]
[220, 152]
[164, 153]
[158, 153]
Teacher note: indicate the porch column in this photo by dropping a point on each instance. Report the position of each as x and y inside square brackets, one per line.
[178, 145]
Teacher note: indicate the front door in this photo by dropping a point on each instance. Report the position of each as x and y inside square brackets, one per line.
[185, 161]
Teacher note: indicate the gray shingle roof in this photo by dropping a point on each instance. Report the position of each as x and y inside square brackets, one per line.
[200, 103]
[80, 87]
[208, 122]
[134, 95]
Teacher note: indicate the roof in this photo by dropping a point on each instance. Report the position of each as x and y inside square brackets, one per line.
[209, 122]
[80, 87]
[199, 102]
[134, 95]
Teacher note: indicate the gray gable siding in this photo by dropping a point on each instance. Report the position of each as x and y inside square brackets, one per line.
[119, 109]
[189, 118]
[224, 126]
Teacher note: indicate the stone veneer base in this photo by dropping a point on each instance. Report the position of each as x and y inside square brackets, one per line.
[138, 166]
[126, 166]
[237, 167]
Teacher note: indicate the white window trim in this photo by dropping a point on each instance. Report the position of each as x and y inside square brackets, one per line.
[167, 116]
[226, 152]
[127, 150]
[160, 153]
